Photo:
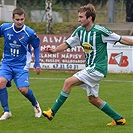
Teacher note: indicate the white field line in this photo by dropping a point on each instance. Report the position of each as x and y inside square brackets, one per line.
[130, 81]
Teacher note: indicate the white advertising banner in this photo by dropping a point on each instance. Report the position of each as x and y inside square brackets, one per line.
[120, 57]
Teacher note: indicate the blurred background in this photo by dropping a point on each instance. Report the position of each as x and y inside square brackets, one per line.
[120, 11]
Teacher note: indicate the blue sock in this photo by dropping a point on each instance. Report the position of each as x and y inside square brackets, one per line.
[30, 96]
[4, 99]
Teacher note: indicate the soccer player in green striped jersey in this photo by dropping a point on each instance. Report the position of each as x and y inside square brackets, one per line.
[93, 38]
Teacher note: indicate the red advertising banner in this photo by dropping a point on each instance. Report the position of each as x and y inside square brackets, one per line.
[73, 59]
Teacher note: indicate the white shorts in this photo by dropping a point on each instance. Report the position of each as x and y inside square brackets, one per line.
[91, 79]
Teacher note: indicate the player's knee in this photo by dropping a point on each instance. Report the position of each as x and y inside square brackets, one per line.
[67, 84]
[2, 84]
[23, 90]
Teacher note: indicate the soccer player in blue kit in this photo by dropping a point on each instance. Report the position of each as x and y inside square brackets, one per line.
[17, 58]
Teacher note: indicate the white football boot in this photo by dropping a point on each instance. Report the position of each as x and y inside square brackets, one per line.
[5, 115]
[37, 110]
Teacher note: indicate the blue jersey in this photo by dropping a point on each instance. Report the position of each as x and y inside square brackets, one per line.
[17, 45]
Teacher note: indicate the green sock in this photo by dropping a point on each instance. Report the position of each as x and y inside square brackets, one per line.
[60, 100]
[109, 111]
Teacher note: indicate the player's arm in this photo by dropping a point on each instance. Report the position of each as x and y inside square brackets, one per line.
[37, 58]
[36, 45]
[60, 48]
[126, 41]
[0, 30]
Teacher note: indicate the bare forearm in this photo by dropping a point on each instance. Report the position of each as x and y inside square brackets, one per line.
[58, 49]
[126, 41]
[61, 47]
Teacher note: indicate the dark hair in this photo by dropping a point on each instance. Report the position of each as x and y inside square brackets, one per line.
[18, 11]
[90, 11]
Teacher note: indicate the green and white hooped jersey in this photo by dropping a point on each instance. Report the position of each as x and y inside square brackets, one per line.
[94, 43]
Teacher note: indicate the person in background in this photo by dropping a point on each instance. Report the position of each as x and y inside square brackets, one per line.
[17, 58]
[132, 11]
[129, 10]
[93, 38]
[131, 33]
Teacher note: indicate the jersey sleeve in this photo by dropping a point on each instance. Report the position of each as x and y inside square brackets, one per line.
[107, 35]
[37, 56]
[35, 42]
[1, 33]
[111, 38]
[73, 40]
[3, 27]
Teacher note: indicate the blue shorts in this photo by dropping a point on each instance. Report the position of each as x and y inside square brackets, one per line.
[20, 76]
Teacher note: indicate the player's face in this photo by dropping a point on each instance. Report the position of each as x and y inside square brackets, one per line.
[83, 20]
[19, 20]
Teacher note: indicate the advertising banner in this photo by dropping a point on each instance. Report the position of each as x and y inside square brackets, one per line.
[120, 57]
[71, 59]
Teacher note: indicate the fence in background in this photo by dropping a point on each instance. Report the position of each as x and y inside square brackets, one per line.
[71, 15]
[65, 14]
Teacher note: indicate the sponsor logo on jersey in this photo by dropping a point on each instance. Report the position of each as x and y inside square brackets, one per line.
[21, 37]
[119, 59]
[14, 44]
[88, 48]
[9, 36]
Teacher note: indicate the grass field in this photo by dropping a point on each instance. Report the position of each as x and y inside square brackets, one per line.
[76, 115]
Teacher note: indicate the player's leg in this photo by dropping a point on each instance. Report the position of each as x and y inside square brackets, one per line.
[92, 93]
[68, 84]
[4, 99]
[4, 102]
[117, 118]
[5, 78]
[103, 106]
[91, 80]
[27, 92]
[58, 103]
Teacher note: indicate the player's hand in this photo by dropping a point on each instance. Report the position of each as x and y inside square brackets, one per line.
[38, 70]
[49, 49]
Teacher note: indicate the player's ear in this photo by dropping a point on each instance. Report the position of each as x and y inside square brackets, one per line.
[89, 18]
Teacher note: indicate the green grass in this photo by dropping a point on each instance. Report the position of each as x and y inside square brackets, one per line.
[77, 115]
